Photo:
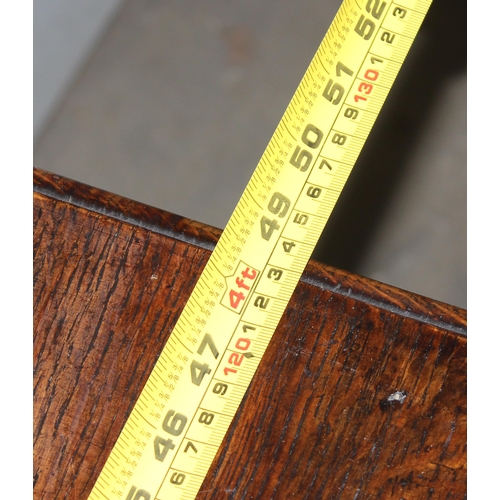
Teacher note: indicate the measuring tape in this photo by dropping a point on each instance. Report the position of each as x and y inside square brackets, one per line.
[181, 417]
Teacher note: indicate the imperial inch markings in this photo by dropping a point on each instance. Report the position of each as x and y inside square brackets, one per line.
[180, 419]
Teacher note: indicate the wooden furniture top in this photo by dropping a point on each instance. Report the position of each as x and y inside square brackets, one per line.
[360, 395]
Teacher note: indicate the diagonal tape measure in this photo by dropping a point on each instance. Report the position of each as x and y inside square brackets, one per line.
[181, 417]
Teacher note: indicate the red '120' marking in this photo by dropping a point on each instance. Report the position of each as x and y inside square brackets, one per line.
[236, 358]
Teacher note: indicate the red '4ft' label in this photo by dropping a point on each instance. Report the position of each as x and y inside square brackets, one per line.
[239, 287]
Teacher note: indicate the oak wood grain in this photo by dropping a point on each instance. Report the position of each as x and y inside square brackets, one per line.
[360, 395]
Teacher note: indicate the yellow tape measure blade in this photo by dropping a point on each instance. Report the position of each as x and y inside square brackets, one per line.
[181, 417]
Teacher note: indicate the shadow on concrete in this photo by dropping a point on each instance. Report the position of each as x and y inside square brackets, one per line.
[439, 52]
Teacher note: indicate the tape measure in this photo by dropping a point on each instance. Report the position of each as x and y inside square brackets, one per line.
[181, 417]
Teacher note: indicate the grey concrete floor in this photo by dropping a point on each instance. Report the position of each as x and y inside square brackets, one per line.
[177, 103]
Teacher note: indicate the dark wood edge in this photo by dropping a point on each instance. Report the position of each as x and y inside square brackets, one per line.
[124, 209]
[395, 300]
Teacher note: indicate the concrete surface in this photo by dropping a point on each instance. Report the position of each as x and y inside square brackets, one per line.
[64, 33]
[179, 99]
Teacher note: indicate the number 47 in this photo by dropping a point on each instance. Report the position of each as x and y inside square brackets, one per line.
[198, 369]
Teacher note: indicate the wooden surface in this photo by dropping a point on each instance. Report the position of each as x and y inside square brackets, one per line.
[360, 395]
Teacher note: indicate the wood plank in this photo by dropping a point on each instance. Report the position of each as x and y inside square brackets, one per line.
[361, 393]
